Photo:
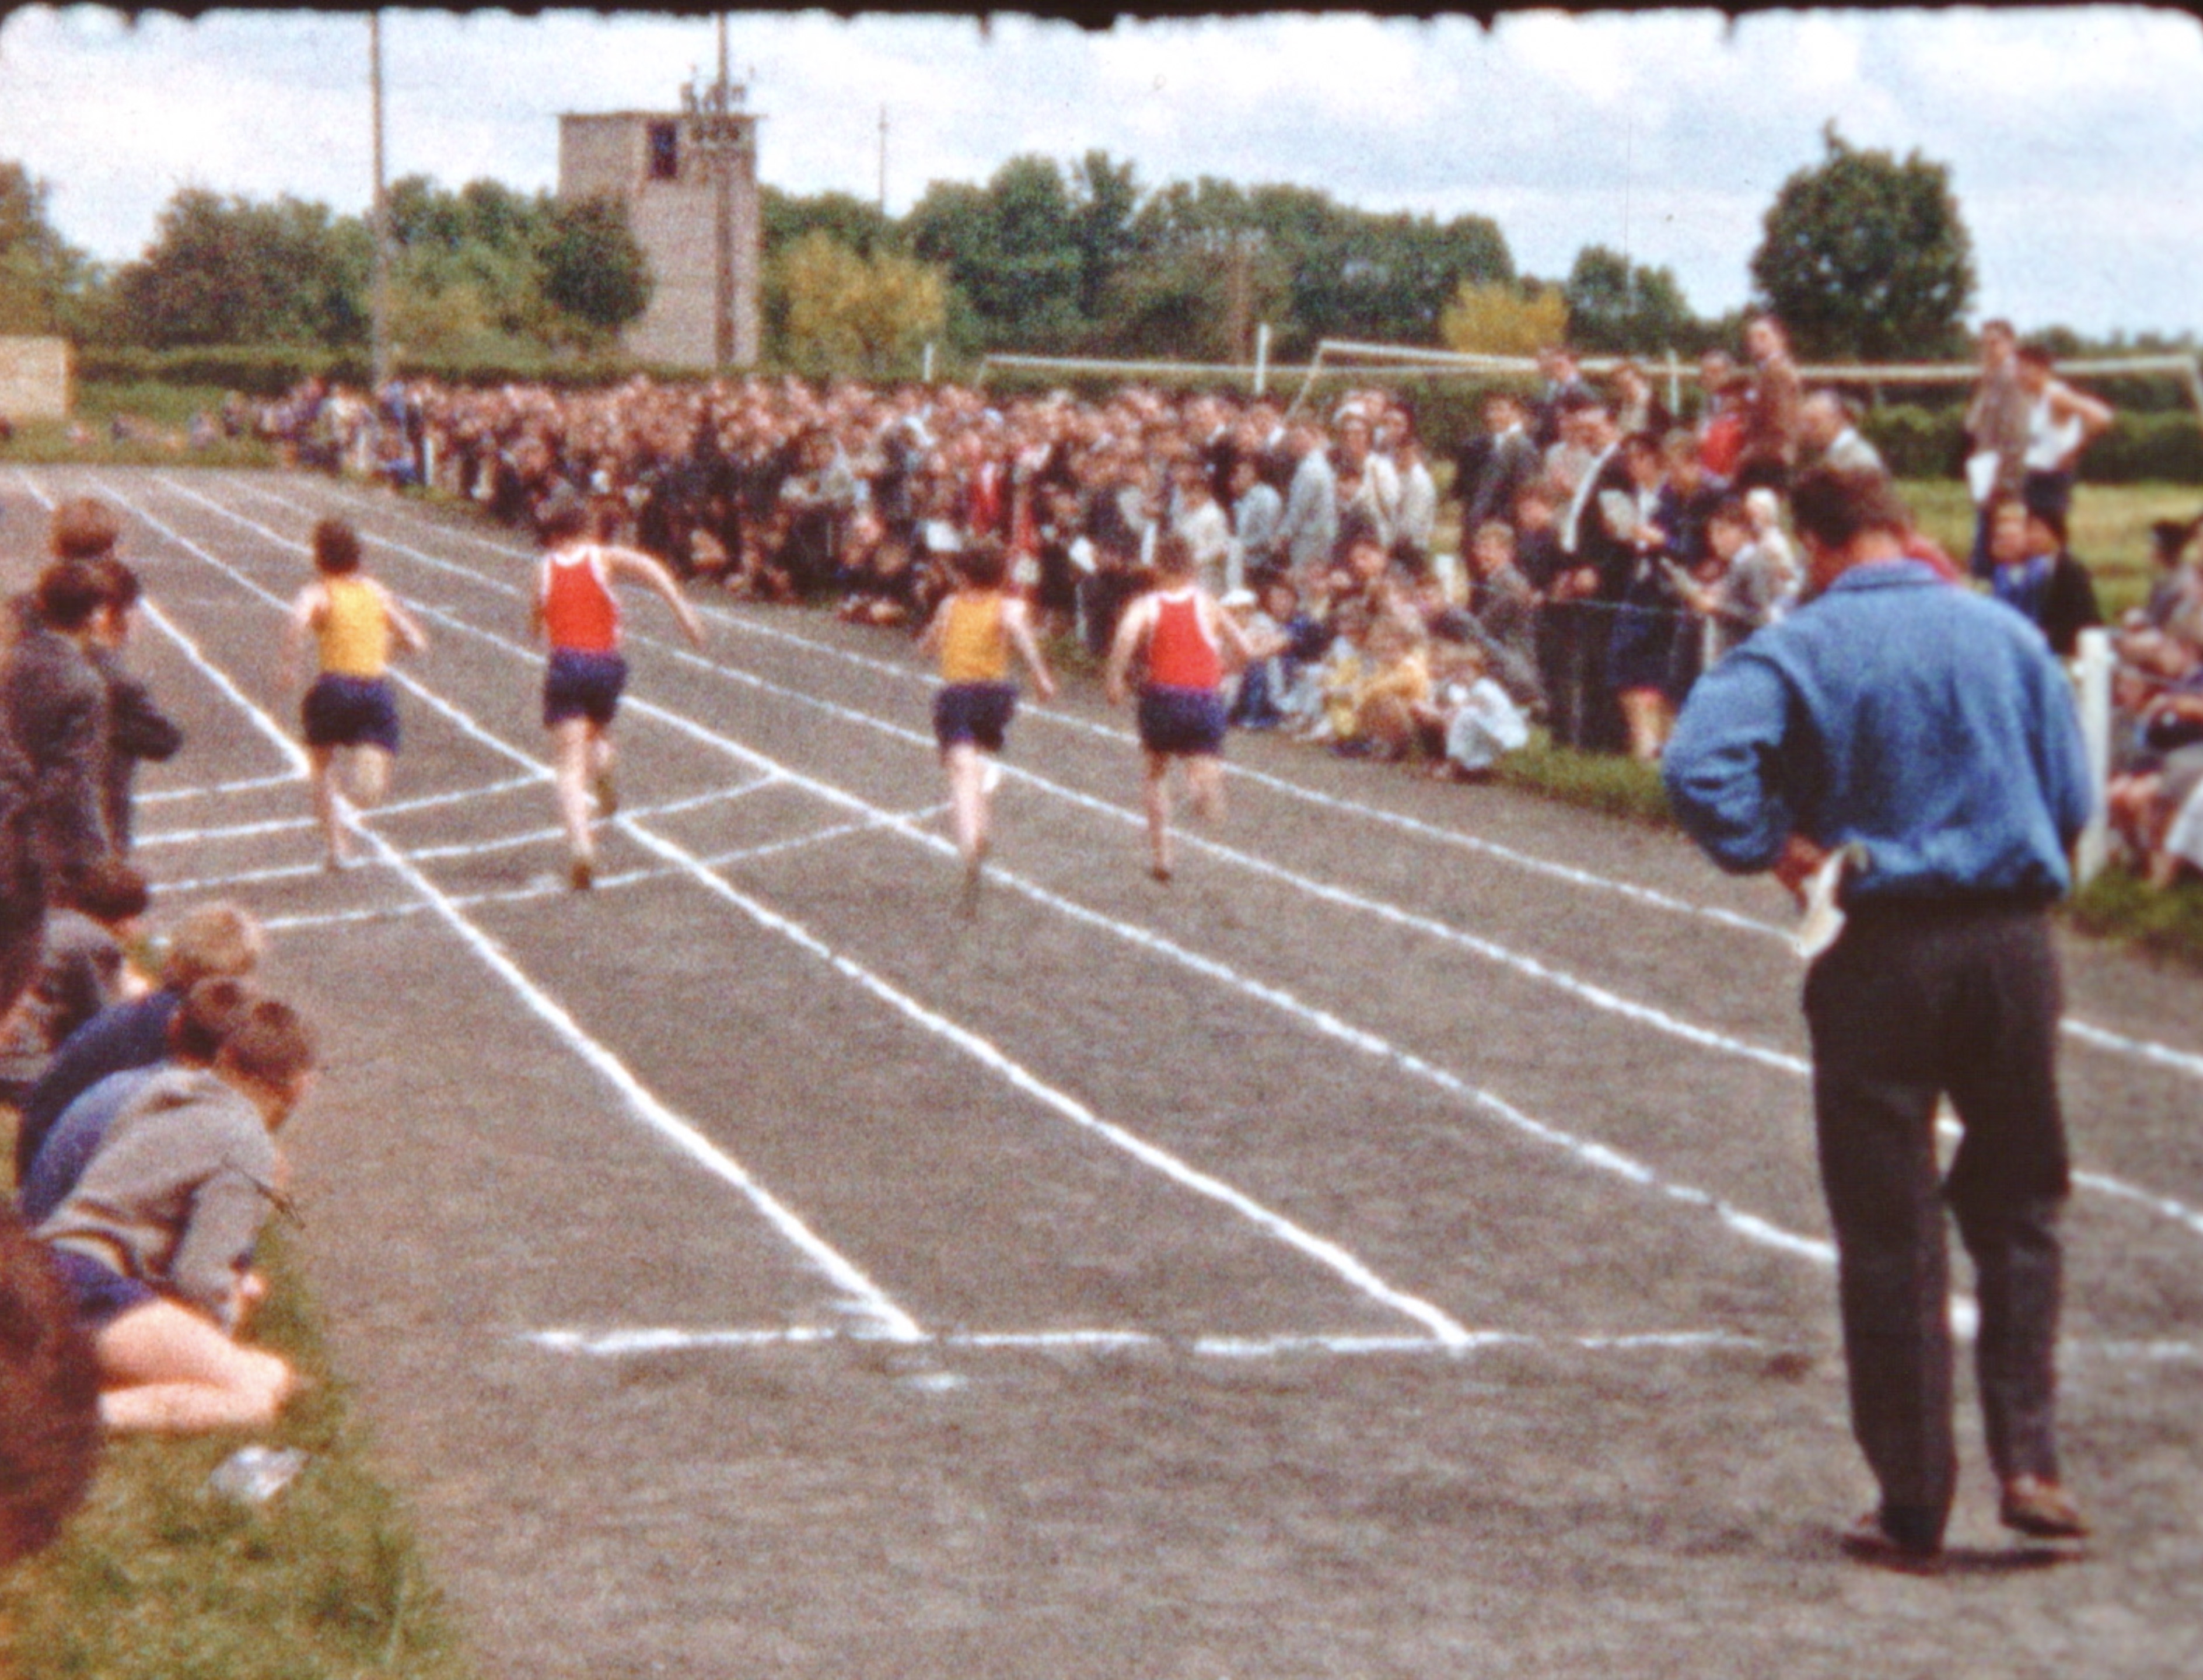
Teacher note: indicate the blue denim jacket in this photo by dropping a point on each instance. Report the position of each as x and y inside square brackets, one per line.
[1919, 719]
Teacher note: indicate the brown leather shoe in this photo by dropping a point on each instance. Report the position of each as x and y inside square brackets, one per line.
[2042, 1508]
[1869, 1543]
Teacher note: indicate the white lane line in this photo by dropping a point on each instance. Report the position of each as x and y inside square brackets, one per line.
[2099, 1038]
[161, 796]
[1598, 997]
[282, 824]
[1323, 1252]
[865, 1298]
[632, 1343]
[549, 886]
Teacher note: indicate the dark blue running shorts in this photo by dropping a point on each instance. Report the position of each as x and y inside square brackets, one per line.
[1182, 723]
[976, 712]
[350, 711]
[101, 1293]
[582, 685]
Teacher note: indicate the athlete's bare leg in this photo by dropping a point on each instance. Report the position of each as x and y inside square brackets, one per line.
[163, 1367]
[329, 811]
[600, 772]
[1154, 791]
[1204, 776]
[371, 776]
[574, 758]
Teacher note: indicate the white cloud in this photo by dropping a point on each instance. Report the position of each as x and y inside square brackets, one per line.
[1668, 132]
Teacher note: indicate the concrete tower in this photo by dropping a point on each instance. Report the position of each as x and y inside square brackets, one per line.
[665, 168]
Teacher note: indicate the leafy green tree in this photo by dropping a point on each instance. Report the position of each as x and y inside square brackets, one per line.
[1356, 274]
[1199, 275]
[1866, 256]
[593, 267]
[228, 271]
[783, 218]
[44, 281]
[1012, 248]
[1624, 309]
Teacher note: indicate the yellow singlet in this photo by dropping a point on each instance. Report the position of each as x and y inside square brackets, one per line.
[973, 648]
[354, 635]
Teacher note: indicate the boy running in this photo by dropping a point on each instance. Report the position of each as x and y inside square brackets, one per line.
[352, 707]
[577, 615]
[973, 632]
[1177, 631]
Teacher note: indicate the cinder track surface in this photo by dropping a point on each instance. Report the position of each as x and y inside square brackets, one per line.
[1393, 1249]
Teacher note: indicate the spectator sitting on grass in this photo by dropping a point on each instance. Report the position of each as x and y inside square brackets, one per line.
[216, 938]
[211, 1011]
[1467, 721]
[83, 971]
[1375, 719]
[2037, 577]
[155, 1242]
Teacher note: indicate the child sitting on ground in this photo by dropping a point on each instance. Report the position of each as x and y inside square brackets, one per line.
[1469, 721]
[83, 969]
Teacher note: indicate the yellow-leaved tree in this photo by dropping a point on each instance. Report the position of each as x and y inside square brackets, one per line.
[1499, 319]
[848, 314]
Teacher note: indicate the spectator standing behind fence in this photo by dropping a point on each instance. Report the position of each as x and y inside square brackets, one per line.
[1489, 474]
[1309, 530]
[1927, 737]
[1595, 540]
[2061, 423]
[1829, 436]
[1996, 435]
[1769, 451]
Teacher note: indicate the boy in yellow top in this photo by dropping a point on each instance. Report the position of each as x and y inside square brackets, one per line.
[972, 633]
[352, 707]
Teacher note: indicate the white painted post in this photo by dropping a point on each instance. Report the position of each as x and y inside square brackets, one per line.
[1261, 356]
[2092, 680]
[926, 375]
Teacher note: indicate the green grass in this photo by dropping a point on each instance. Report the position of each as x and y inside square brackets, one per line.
[159, 415]
[2116, 906]
[159, 1579]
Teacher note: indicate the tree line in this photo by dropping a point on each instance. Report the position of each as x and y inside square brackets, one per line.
[1864, 255]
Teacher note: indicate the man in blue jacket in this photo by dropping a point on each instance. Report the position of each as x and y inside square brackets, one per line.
[1926, 733]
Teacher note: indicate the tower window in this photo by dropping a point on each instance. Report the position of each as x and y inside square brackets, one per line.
[664, 151]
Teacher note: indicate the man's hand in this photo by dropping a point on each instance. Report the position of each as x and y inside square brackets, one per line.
[1794, 868]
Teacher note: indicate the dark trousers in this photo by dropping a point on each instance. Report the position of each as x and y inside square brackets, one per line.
[1909, 1004]
[1572, 638]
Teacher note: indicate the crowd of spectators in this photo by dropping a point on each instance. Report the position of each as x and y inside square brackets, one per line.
[146, 1073]
[1608, 547]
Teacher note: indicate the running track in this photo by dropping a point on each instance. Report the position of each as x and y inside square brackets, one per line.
[1392, 1248]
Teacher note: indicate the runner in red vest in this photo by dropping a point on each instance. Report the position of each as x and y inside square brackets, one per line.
[576, 612]
[1180, 636]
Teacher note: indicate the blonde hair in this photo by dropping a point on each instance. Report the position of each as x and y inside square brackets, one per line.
[216, 940]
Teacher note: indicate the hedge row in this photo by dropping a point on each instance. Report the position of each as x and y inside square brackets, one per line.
[269, 371]
[2139, 448]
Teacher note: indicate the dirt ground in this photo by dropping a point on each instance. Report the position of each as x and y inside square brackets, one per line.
[1391, 1249]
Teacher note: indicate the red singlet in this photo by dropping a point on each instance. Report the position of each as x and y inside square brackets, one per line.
[580, 612]
[1180, 654]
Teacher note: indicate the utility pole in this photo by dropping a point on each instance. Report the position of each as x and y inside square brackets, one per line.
[379, 303]
[718, 132]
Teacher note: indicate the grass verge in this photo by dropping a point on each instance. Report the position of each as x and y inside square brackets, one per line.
[158, 1578]
[2115, 905]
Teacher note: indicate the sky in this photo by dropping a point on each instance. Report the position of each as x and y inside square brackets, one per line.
[2074, 136]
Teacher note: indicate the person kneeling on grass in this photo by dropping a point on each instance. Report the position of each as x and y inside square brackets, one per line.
[155, 1238]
